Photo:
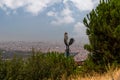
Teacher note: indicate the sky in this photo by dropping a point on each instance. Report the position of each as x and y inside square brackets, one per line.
[44, 20]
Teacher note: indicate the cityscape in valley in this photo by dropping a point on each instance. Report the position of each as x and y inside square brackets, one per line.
[22, 48]
[22, 21]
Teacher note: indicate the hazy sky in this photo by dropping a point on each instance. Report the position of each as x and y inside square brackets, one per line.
[43, 20]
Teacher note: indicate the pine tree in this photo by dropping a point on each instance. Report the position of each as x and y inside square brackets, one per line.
[103, 30]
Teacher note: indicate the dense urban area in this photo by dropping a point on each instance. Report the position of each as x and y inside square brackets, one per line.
[22, 48]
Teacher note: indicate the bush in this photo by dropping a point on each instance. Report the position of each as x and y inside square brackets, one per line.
[38, 66]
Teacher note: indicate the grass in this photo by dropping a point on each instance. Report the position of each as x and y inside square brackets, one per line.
[110, 75]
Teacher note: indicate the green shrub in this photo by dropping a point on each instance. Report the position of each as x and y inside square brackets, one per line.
[39, 66]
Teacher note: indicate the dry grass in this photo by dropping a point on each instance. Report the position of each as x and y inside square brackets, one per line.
[110, 75]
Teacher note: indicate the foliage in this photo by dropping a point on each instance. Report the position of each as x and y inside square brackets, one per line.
[103, 30]
[39, 66]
